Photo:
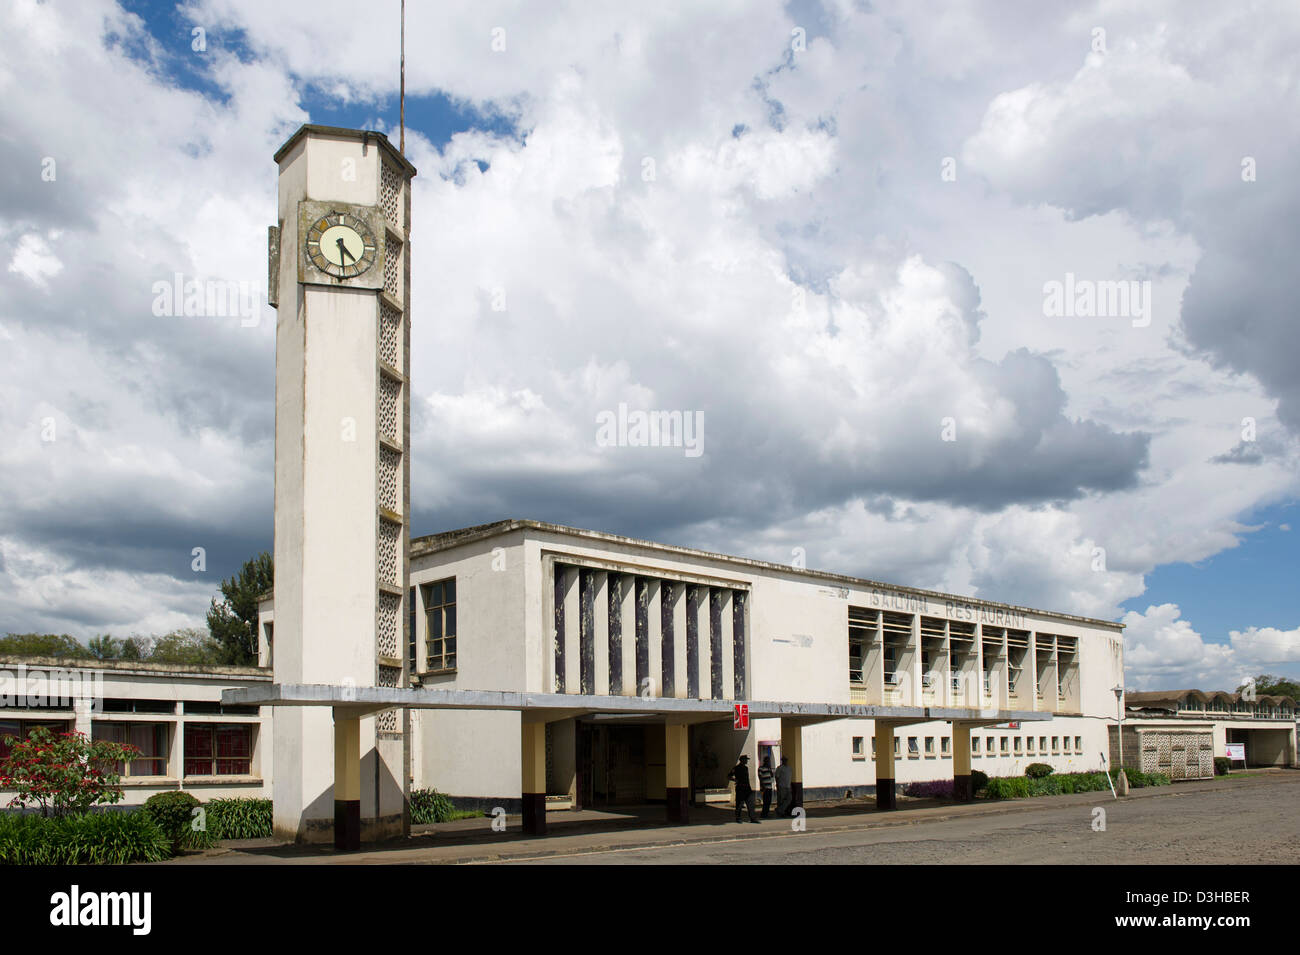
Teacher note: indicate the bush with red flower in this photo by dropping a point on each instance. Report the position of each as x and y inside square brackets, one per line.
[63, 774]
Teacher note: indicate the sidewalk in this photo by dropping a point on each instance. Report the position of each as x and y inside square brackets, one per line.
[583, 831]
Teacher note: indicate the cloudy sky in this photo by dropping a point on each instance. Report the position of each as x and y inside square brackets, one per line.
[827, 230]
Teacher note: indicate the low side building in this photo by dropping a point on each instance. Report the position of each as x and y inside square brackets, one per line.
[172, 713]
[1265, 725]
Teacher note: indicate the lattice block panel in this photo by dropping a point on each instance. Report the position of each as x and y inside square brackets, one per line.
[390, 194]
[389, 551]
[386, 721]
[386, 625]
[390, 397]
[390, 336]
[393, 269]
[390, 479]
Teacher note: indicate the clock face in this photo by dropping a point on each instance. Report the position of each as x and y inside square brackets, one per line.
[341, 244]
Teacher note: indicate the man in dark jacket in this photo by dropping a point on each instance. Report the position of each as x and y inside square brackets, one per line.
[744, 790]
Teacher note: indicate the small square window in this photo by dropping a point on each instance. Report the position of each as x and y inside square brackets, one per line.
[1042, 744]
[929, 746]
[989, 744]
[1078, 744]
[1006, 746]
[873, 747]
[975, 745]
[913, 750]
[857, 747]
[1029, 745]
[945, 745]
[1055, 747]
[1015, 743]
[897, 744]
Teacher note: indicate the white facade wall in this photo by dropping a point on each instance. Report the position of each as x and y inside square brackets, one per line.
[123, 681]
[796, 649]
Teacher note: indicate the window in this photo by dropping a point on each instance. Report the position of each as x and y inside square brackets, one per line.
[440, 611]
[855, 661]
[149, 738]
[1042, 744]
[1078, 744]
[1005, 747]
[891, 672]
[269, 630]
[1015, 743]
[1029, 745]
[873, 747]
[989, 743]
[913, 751]
[929, 746]
[945, 745]
[20, 728]
[217, 749]
[1055, 747]
[857, 747]
[896, 743]
[975, 745]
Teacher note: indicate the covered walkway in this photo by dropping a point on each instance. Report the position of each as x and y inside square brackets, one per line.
[350, 704]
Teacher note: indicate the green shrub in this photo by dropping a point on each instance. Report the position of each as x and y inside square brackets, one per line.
[429, 805]
[1038, 770]
[242, 818]
[1138, 779]
[978, 781]
[173, 813]
[97, 838]
[1045, 786]
[1221, 765]
[1007, 787]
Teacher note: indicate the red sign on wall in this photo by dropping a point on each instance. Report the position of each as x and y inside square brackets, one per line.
[741, 720]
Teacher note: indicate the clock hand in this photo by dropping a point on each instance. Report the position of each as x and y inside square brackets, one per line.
[343, 251]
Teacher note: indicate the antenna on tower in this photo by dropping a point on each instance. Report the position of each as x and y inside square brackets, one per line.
[401, 98]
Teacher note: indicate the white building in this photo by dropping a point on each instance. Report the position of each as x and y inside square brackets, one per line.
[528, 607]
[188, 739]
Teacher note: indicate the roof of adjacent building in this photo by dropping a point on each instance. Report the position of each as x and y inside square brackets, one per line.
[433, 543]
[143, 667]
[1171, 698]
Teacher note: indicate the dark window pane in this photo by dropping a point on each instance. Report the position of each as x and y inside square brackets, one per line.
[435, 625]
[435, 595]
[450, 590]
[451, 620]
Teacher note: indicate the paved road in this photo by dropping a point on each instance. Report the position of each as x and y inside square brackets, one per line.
[1250, 820]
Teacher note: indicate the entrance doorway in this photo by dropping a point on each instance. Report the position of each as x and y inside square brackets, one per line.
[611, 765]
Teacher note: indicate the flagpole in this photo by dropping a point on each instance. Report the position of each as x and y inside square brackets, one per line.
[402, 95]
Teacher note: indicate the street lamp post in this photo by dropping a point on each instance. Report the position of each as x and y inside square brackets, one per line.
[1119, 706]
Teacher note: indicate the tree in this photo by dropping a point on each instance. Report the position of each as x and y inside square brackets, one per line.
[43, 645]
[186, 646]
[64, 774]
[233, 621]
[1267, 684]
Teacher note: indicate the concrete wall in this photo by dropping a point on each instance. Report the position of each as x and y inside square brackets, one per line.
[118, 681]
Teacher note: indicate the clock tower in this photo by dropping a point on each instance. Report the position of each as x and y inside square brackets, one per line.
[339, 279]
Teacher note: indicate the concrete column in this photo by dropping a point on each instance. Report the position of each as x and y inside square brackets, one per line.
[677, 771]
[600, 614]
[961, 784]
[533, 782]
[792, 749]
[885, 766]
[347, 781]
